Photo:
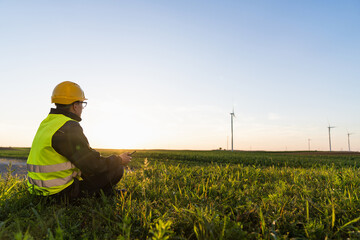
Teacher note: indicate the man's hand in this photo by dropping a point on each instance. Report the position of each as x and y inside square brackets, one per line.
[125, 158]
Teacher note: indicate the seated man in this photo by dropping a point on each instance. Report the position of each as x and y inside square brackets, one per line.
[61, 162]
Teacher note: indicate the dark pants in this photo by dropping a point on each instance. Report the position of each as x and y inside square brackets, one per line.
[92, 185]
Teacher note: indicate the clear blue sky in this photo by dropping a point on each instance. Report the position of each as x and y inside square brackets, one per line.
[166, 74]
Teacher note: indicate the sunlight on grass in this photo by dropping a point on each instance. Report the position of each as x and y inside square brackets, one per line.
[190, 195]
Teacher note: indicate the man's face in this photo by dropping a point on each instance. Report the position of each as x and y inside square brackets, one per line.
[78, 107]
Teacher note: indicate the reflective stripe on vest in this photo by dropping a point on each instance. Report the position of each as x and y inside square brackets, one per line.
[50, 168]
[53, 182]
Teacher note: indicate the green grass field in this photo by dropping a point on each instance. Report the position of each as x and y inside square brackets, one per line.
[201, 195]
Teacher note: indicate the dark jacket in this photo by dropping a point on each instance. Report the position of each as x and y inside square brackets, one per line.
[71, 142]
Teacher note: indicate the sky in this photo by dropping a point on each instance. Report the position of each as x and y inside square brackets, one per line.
[167, 74]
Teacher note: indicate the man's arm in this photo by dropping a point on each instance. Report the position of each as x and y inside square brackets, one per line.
[71, 142]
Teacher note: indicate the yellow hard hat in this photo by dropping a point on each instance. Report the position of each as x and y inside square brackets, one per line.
[67, 92]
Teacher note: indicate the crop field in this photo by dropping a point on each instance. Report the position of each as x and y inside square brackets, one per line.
[200, 195]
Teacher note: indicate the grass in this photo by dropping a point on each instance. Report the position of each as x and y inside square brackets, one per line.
[19, 153]
[202, 195]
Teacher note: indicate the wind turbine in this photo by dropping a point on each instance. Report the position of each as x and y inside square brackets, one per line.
[348, 134]
[232, 128]
[309, 143]
[330, 127]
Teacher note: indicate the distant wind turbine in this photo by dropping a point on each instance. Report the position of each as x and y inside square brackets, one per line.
[232, 128]
[348, 134]
[309, 143]
[330, 127]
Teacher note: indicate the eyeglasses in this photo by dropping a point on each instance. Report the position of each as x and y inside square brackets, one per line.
[83, 104]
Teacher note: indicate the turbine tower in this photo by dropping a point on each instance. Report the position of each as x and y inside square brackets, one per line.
[309, 143]
[330, 127]
[349, 140]
[232, 129]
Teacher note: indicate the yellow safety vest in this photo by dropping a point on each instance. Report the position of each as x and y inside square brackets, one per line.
[48, 171]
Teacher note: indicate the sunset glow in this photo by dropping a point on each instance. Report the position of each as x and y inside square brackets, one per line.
[166, 75]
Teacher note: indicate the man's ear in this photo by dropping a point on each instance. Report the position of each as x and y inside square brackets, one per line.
[75, 106]
[72, 108]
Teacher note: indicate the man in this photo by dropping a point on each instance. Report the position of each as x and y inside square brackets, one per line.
[61, 162]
